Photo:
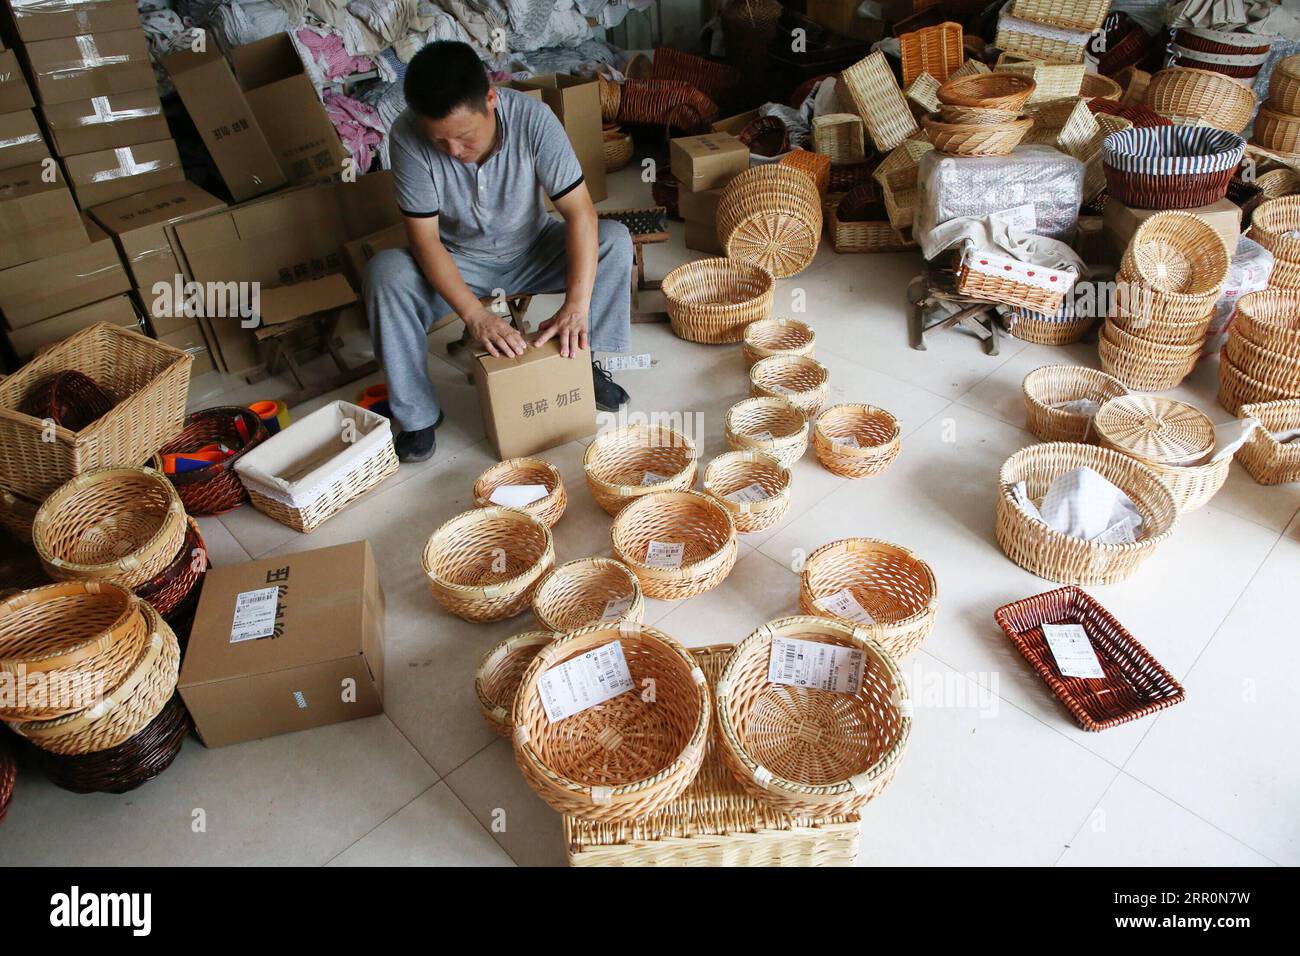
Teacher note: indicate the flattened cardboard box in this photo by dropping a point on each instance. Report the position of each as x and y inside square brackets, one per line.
[709, 161]
[143, 225]
[67, 280]
[110, 174]
[42, 20]
[14, 94]
[21, 141]
[37, 216]
[93, 64]
[117, 310]
[103, 122]
[286, 643]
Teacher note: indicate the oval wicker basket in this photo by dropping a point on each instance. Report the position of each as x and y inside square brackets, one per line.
[172, 590]
[808, 751]
[1170, 167]
[485, 564]
[1060, 329]
[124, 710]
[1271, 369]
[990, 91]
[767, 337]
[1269, 461]
[976, 115]
[628, 756]
[1277, 183]
[976, 139]
[1271, 319]
[702, 527]
[802, 381]
[588, 591]
[1178, 253]
[1141, 370]
[71, 640]
[771, 216]
[1155, 430]
[774, 426]
[754, 487]
[497, 679]
[626, 463]
[525, 471]
[618, 149]
[1284, 85]
[1185, 95]
[1276, 131]
[17, 512]
[1146, 310]
[714, 300]
[1194, 485]
[856, 441]
[1145, 347]
[1048, 387]
[1236, 388]
[119, 525]
[1275, 225]
[888, 591]
[1050, 554]
[215, 489]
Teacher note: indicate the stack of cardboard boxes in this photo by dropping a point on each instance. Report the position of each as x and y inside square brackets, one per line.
[702, 165]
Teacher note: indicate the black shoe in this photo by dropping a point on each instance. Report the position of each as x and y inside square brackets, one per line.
[610, 396]
[417, 445]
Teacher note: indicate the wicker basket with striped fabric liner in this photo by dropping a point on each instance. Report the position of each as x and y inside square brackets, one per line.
[1070, 14]
[1170, 167]
[1241, 66]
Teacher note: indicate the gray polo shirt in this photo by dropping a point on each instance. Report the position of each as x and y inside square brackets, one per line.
[488, 210]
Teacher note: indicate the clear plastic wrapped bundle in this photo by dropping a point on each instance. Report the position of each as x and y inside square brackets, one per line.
[1248, 271]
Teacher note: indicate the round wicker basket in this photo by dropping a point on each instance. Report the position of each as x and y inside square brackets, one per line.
[977, 139]
[499, 673]
[774, 426]
[1096, 86]
[880, 587]
[1163, 330]
[485, 564]
[1141, 370]
[628, 756]
[1271, 319]
[588, 591]
[618, 149]
[1047, 388]
[1155, 430]
[754, 487]
[856, 441]
[1236, 388]
[1185, 95]
[169, 591]
[677, 543]
[808, 751]
[1275, 225]
[610, 95]
[626, 463]
[771, 216]
[70, 399]
[1178, 253]
[1284, 85]
[976, 115]
[714, 300]
[767, 337]
[1042, 329]
[802, 381]
[525, 471]
[119, 525]
[990, 91]
[215, 489]
[1269, 461]
[1271, 369]
[1142, 345]
[1276, 131]
[1058, 557]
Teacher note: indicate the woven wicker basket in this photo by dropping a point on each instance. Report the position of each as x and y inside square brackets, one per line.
[118, 525]
[767, 337]
[610, 95]
[803, 749]
[881, 588]
[813, 165]
[1184, 95]
[1284, 85]
[1052, 81]
[1069, 14]
[1051, 49]
[1059, 329]
[771, 216]
[839, 136]
[150, 381]
[976, 139]
[1178, 253]
[485, 564]
[1268, 318]
[1269, 461]
[1096, 86]
[69, 399]
[626, 463]
[1276, 131]
[991, 91]
[878, 100]
[525, 471]
[17, 512]
[499, 673]
[1237, 389]
[666, 103]
[774, 426]
[856, 441]
[754, 487]
[1277, 183]
[8, 774]
[1049, 554]
[215, 489]
[176, 588]
[1271, 369]
[701, 527]
[618, 149]
[802, 381]
[1140, 369]
[922, 95]
[1274, 226]
[1170, 167]
[1142, 347]
[981, 276]
[975, 115]
[628, 756]
[1164, 331]
[1053, 385]
[936, 50]
[588, 591]
[713, 300]
[865, 236]
[718, 81]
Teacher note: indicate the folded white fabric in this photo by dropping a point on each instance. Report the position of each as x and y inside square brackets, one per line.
[1083, 504]
[1230, 436]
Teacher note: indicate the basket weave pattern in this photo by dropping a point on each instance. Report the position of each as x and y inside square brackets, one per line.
[485, 564]
[774, 426]
[1052, 385]
[626, 463]
[1184, 94]
[855, 440]
[703, 528]
[215, 489]
[525, 471]
[737, 471]
[1269, 461]
[771, 216]
[713, 300]
[578, 593]
[767, 337]
[499, 673]
[802, 381]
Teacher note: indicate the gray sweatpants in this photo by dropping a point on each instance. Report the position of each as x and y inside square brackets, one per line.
[402, 307]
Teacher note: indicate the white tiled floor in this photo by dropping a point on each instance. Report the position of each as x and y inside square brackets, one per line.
[997, 772]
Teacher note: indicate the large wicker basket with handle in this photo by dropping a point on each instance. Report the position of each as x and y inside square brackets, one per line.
[485, 564]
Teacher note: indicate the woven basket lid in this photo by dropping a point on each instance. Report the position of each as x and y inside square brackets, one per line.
[1158, 430]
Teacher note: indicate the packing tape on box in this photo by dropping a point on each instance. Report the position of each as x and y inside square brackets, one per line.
[91, 59]
[104, 113]
[32, 8]
[127, 166]
[20, 140]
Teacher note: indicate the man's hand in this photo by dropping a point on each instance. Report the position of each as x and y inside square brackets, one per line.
[494, 333]
[570, 324]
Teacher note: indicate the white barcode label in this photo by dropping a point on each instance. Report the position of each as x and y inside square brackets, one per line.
[300, 699]
[763, 436]
[843, 604]
[516, 496]
[754, 492]
[810, 664]
[624, 363]
[848, 441]
[254, 614]
[1072, 650]
[653, 478]
[665, 554]
[780, 389]
[585, 681]
[615, 608]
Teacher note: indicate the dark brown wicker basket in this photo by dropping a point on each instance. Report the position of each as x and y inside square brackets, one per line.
[1134, 684]
[172, 588]
[1247, 196]
[128, 765]
[215, 489]
[666, 102]
[852, 175]
[718, 81]
[1127, 44]
[766, 136]
[1181, 191]
[862, 204]
[70, 399]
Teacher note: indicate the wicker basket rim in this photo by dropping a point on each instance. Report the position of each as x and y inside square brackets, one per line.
[773, 361]
[863, 407]
[509, 585]
[522, 461]
[688, 568]
[597, 446]
[259, 434]
[749, 455]
[492, 708]
[66, 656]
[875, 544]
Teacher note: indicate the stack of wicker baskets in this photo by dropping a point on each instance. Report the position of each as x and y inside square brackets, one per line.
[1053, 30]
[1170, 278]
[1239, 55]
[979, 115]
[1275, 225]
[1277, 125]
[1260, 362]
[771, 216]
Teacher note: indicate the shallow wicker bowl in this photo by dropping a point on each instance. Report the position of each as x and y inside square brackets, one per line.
[1184, 94]
[975, 115]
[808, 751]
[771, 216]
[774, 426]
[485, 564]
[1236, 388]
[856, 441]
[499, 673]
[1052, 385]
[767, 337]
[1178, 252]
[525, 471]
[1058, 557]
[752, 485]
[977, 139]
[994, 91]
[625, 463]
[803, 381]
[888, 591]
[585, 592]
[713, 300]
[697, 522]
[628, 756]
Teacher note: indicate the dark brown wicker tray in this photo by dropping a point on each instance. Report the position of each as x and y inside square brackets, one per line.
[215, 489]
[128, 765]
[1135, 684]
[1179, 191]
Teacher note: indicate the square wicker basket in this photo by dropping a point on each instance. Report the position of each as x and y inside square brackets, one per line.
[714, 822]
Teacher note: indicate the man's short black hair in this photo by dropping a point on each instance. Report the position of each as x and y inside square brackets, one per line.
[443, 77]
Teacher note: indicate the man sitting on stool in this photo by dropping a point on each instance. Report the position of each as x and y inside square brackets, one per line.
[467, 162]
